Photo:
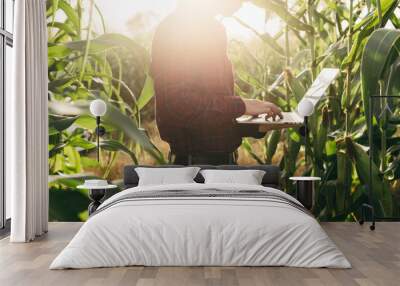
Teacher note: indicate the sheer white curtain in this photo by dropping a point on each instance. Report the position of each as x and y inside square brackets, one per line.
[26, 124]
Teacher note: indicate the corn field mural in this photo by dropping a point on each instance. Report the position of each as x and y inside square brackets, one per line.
[362, 38]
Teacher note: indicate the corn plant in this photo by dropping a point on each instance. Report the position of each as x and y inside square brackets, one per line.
[82, 66]
[326, 34]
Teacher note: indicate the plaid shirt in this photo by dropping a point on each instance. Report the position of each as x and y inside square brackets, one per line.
[195, 103]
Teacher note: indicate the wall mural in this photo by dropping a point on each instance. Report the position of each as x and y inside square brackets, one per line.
[277, 50]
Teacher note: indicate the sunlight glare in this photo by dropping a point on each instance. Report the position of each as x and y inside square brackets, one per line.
[118, 13]
[254, 17]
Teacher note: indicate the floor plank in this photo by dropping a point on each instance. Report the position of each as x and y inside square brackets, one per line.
[375, 257]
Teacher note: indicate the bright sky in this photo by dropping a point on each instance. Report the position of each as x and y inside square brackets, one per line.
[117, 13]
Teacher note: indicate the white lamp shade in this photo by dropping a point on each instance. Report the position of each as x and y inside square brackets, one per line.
[305, 108]
[98, 107]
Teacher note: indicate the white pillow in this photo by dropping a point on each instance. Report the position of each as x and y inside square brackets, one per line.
[166, 176]
[245, 177]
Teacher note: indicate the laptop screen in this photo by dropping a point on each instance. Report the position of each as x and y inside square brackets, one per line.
[321, 85]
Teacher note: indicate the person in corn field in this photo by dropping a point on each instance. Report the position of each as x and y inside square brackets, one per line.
[196, 106]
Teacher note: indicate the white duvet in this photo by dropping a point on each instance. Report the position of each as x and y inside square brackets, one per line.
[200, 232]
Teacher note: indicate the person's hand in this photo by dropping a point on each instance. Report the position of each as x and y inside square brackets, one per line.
[257, 107]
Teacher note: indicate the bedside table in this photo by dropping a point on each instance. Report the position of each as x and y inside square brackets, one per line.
[305, 190]
[96, 194]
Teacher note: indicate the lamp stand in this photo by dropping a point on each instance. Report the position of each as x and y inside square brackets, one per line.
[306, 141]
[98, 121]
[304, 132]
[100, 132]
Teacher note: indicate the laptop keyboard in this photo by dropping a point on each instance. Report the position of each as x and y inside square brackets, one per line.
[288, 117]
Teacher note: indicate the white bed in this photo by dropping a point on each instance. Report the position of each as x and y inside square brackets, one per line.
[201, 231]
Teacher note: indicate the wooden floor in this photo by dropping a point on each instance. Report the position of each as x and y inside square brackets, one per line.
[375, 257]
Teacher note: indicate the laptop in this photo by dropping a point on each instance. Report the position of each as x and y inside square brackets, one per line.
[291, 119]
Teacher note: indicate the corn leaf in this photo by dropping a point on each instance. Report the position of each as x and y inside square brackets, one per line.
[378, 50]
[272, 145]
[115, 146]
[381, 196]
[343, 182]
[279, 9]
[147, 93]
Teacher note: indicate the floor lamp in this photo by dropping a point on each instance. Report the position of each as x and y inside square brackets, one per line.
[305, 185]
[305, 109]
[98, 108]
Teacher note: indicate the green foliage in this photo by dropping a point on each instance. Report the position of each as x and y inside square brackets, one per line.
[81, 69]
[351, 39]
[380, 52]
[83, 66]
[67, 205]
